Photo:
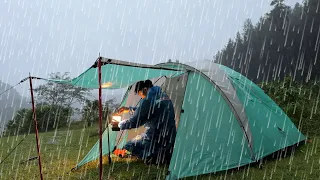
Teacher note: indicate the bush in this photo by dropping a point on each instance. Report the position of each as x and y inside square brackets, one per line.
[48, 117]
[299, 101]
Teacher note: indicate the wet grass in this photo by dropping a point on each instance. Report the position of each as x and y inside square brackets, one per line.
[60, 156]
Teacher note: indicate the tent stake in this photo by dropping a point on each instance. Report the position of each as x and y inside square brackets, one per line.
[36, 126]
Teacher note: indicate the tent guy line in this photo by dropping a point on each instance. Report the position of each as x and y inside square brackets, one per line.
[20, 82]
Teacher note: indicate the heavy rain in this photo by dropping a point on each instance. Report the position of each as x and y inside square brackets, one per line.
[137, 89]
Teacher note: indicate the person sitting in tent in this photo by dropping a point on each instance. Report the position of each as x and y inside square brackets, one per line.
[156, 113]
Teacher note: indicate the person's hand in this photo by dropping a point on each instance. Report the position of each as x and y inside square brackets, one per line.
[122, 110]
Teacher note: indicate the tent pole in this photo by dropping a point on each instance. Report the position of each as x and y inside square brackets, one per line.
[36, 126]
[100, 117]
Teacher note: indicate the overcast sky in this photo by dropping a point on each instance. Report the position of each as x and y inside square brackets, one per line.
[43, 36]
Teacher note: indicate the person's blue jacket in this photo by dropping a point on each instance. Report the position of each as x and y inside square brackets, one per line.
[156, 113]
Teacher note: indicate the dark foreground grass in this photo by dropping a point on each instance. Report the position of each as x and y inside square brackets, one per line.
[69, 147]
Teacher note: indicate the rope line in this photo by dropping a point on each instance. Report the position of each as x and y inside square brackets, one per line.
[23, 80]
[12, 150]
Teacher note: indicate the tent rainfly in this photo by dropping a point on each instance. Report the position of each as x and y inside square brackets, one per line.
[223, 119]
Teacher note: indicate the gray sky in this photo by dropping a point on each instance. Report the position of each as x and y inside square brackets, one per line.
[43, 36]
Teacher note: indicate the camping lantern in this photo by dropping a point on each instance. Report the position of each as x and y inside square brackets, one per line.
[116, 118]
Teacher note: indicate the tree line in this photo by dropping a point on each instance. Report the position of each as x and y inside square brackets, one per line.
[284, 42]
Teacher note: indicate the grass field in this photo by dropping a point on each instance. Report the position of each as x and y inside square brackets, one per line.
[71, 146]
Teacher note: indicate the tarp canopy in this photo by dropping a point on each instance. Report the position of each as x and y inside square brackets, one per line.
[118, 74]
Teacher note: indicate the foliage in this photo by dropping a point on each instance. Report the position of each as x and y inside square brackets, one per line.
[90, 111]
[60, 97]
[47, 116]
[299, 100]
[284, 42]
[59, 93]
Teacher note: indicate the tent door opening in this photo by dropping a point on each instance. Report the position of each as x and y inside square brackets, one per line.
[173, 87]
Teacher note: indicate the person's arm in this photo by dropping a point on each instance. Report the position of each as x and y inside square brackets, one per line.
[140, 116]
[132, 108]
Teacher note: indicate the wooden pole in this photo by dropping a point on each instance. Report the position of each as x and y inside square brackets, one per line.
[36, 127]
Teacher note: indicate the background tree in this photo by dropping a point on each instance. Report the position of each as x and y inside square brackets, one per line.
[90, 111]
[284, 42]
[60, 96]
[46, 116]
[59, 93]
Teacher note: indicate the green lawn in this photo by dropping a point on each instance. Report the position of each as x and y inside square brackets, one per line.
[58, 159]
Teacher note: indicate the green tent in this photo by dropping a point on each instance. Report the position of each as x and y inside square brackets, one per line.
[223, 119]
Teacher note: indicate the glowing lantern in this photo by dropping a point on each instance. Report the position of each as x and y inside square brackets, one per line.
[116, 118]
[106, 85]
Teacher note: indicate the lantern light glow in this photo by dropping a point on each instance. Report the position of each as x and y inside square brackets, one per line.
[116, 118]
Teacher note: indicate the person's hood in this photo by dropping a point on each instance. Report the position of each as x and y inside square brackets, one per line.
[154, 91]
